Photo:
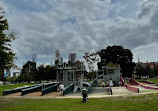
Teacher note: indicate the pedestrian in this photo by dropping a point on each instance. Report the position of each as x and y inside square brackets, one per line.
[61, 87]
[103, 83]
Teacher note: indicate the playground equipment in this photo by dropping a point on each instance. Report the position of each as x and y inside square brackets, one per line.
[111, 73]
[30, 89]
[148, 82]
[94, 83]
[68, 89]
[16, 90]
[52, 88]
[123, 84]
[69, 75]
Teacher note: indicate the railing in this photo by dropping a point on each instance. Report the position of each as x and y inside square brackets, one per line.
[50, 89]
[68, 89]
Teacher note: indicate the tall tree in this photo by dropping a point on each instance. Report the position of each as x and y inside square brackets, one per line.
[40, 73]
[45, 73]
[6, 54]
[140, 71]
[91, 59]
[118, 55]
[29, 71]
[156, 70]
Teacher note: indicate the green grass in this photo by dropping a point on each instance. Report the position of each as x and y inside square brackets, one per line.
[2, 87]
[128, 103]
[153, 80]
[150, 79]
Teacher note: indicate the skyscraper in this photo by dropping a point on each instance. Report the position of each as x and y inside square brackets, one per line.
[72, 57]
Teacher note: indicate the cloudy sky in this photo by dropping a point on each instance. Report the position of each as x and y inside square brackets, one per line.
[80, 26]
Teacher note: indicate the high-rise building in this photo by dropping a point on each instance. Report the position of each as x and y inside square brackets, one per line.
[72, 57]
[61, 60]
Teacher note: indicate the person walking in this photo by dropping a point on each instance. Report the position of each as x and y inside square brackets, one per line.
[61, 87]
[103, 83]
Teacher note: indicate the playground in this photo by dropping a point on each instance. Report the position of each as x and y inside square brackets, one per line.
[147, 102]
[95, 90]
[131, 96]
[108, 92]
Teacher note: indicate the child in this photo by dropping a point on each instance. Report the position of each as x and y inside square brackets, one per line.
[61, 87]
[84, 95]
[103, 83]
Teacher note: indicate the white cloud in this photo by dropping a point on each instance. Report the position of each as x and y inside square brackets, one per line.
[80, 26]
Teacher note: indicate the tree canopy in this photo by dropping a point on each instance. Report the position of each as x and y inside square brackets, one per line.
[117, 55]
[6, 54]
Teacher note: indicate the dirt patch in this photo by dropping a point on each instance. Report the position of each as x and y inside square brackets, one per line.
[39, 93]
[53, 94]
[14, 94]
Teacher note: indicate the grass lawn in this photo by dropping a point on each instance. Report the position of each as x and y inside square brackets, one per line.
[150, 79]
[2, 87]
[128, 103]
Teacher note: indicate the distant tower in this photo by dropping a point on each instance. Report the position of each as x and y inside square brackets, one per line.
[57, 57]
[34, 57]
[72, 57]
[51, 63]
[138, 59]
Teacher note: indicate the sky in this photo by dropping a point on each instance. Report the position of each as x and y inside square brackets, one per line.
[80, 26]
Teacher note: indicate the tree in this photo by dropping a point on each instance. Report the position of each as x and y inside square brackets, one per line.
[29, 71]
[6, 54]
[117, 55]
[40, 73]
[45, 73]
[156, 70]
[91, 59]
[91, 75]
[11, 79]
[148, 71]
[49, 73]
[140, 70]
